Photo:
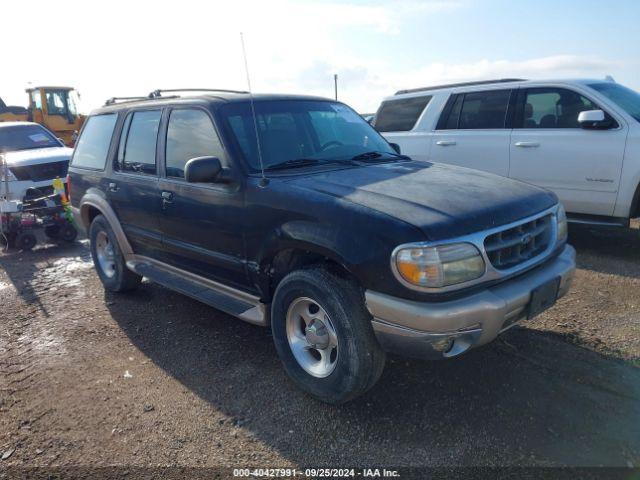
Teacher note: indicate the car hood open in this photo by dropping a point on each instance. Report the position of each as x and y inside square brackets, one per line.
[443, 201]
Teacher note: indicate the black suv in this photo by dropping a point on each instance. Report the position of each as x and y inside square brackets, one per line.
[293, 212]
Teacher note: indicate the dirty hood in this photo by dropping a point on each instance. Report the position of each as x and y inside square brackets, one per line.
[38, 155]
[443, 201]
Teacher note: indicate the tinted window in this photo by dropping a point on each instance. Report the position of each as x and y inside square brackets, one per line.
[25, 137]
[481, 110]
[451, 114]
[93, 145]
[138, 152]
[190, 134]
[553, 108]
[400, 115]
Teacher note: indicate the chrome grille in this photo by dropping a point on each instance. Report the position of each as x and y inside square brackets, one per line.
[509, 248]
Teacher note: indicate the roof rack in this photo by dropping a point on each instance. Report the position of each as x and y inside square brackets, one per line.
[114, 100]
[463, 84]
[158, 93]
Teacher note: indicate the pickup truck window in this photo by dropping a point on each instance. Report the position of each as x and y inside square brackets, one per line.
[190, 134]
[552, 108]
[93, 144]
[314, 131]
[400, 115]
[137, 153]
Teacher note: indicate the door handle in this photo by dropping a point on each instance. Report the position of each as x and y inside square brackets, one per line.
[446, 143]
[113, 187]
[167, 198]
[527, 144]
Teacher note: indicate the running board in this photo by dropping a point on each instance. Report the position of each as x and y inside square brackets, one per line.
[240, 304]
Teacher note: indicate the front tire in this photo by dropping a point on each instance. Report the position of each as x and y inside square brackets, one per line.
[322, 332]
[108, 259]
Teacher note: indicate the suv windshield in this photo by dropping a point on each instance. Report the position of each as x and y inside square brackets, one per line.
[25, 137]
[627, 99]
[302, 133]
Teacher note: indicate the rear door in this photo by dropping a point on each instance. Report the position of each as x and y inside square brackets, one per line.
[550, 149]
[202, 224]
[473, 131]
[133, 190]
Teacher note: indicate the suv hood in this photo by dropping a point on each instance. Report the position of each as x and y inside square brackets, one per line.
[37, 156]
[443, 201]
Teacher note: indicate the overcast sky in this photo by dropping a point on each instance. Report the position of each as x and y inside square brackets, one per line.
[124, 48]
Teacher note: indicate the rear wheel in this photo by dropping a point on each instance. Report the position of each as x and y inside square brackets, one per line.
[108, 259]
[323, 335]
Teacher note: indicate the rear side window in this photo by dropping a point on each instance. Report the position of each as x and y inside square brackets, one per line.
[137, 152]
[93, 145]
[400, 115]
[483, 110]
[190, 134]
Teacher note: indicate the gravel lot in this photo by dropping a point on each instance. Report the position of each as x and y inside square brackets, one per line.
[154, 378]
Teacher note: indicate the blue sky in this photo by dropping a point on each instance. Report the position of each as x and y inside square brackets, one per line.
[128, 48]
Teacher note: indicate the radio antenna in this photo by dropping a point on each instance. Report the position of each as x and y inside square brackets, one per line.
[253, 113]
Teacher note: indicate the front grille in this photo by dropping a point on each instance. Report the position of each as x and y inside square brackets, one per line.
[42, 171]
[509, 248]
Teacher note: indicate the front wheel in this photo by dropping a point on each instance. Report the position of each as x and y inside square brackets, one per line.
[323, 335]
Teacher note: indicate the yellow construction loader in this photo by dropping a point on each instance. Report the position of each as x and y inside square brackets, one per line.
[53, 107]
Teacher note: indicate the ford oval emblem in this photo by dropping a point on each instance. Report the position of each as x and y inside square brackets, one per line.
[526, 239]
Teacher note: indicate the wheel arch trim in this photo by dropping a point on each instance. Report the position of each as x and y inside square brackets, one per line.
[97, 201]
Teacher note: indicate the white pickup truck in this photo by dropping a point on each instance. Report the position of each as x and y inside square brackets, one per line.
[578, 138]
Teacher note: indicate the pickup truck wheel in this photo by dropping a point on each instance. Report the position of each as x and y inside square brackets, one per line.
[108, 259]
[323, 335]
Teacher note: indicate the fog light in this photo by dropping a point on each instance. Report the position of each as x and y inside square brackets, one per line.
[443, 345]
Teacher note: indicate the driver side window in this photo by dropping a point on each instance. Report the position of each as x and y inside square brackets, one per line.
[190, 134]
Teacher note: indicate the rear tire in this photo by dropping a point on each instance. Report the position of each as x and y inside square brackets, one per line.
[323, 334]
[108, 259]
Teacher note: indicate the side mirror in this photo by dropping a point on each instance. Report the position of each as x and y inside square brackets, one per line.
[203, 170]
[396, 147]
[593, 119]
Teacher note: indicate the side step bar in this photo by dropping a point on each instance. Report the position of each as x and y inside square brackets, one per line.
[240, 304]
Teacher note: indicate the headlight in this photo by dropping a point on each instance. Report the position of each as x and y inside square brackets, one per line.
[563, 227]
[439, 266]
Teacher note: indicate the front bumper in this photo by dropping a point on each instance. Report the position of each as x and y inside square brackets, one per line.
[422, 330]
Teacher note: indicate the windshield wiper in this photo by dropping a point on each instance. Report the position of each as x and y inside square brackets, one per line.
[306, 162]
[374, 155]
[293, 163]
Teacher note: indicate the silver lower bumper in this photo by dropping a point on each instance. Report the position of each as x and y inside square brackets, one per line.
[447, 329]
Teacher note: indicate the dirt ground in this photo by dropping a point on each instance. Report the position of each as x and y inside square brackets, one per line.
[153, 378]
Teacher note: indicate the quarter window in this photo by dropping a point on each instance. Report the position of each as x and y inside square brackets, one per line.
[137, 152]
[190, 134]
[553, 108]
[93, 144]
[400, 115]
